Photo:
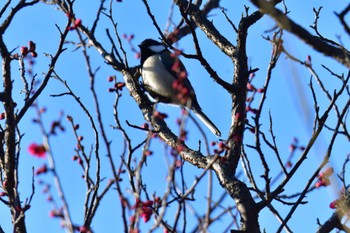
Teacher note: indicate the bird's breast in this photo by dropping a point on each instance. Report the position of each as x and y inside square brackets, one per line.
[157, 78]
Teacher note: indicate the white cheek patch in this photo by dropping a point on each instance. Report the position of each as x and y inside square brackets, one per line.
[157, 48]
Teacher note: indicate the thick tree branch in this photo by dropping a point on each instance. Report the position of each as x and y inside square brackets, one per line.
[240, 80]
[332, 223]
[338, 53]
[199, 56]
[9, 162]
[185, 30]
[237, 189]
[208, 27]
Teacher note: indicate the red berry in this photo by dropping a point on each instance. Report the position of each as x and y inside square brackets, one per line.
[77, 23]
[32, 46]
[111, 78]
[24, 51]
[34, 54]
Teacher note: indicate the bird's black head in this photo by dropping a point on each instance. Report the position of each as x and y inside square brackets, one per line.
[150, 47]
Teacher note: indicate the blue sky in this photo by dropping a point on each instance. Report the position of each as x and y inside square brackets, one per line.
[288, 101]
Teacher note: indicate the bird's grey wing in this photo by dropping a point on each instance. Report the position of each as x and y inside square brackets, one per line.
[169, 60]
[156, 80]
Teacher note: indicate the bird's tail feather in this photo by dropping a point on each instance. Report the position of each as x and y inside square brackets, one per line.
[200, 114]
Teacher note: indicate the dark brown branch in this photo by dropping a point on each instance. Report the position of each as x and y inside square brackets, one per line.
[332, 223]
[14, 11]
[312, 140]
[230, 88]
[342, 18]
[9, 161]
[208, 28]
[275, 56]
[338, 53]
[241, 75]
[185, 30]
[47, 77]
[94, 201]
[326, 157]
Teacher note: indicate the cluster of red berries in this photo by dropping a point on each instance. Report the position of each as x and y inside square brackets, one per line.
[128, 37]
[37, 150]
[118, 86]
[25, 50]
[295, 145]
[76, 24]
[251, 87]
[78, 159]
[323, 178]
[145, 208]
[254, 90]
[159, 115]
[41, 170]
[179, 85]
[179, 122]
[221, 147]
[83, 229]
[56, 213]
[147, 152]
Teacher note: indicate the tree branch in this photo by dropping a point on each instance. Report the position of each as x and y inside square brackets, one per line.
[338, 53]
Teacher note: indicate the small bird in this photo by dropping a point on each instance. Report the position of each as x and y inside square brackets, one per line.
[165, 79]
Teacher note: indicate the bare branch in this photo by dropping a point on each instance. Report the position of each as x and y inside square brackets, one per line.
[338, 53]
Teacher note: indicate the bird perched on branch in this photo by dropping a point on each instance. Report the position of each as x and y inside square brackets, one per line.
[165, 79]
